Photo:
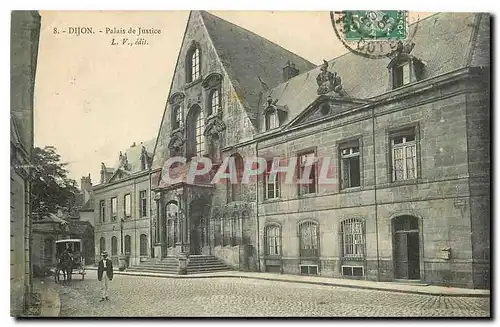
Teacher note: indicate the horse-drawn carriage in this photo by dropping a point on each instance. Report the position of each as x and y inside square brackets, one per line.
[69, 258]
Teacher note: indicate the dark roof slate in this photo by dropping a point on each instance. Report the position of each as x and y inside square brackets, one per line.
[247, 56]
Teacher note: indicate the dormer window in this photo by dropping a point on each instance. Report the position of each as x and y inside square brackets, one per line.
[272, 120]
[405, 68]
[401, 74]
[274, 113]
[193, 64]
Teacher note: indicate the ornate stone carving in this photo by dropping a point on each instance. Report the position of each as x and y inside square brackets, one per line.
[177, 140]
[328, 81]
[214, 125]
[176, 98]
[273, 105]
[123, 161]
[402, 53]
[212, 80]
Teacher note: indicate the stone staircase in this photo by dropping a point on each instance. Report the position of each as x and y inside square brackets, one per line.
[197, 264]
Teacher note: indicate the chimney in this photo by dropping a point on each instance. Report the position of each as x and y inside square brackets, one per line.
[289, 71]
[133, 145]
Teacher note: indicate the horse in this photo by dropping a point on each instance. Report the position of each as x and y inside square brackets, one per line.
[65, 263]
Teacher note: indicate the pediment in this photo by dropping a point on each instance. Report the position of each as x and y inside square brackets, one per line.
[119, 174]
[325, 107]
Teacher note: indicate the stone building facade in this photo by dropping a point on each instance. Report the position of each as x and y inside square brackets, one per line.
[122, 206]
[25, 31]
[407, 139]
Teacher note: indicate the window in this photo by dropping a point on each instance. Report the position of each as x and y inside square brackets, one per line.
[308, 270]
[308, 237]
[143, 245]
[404, 155]
[177, 116]
[127, 244]
[272, 120]
[350, 165]
[114, 246]
[353, 271]
[102, 245]
[143, 203]
[273, 240]
[352, 238]
[272, 183]
[200, 138]
[401, 75]
[307, 170]
[214, 102]
[102, 210]
[193, 71]
[114, 208]
[127, 206]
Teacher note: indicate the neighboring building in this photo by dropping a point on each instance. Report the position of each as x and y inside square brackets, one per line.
[25, 30]
[408, 137]
[86, 211]
[54, 227]
[122, 208]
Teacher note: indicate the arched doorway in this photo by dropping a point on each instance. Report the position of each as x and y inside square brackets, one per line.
[406, 247]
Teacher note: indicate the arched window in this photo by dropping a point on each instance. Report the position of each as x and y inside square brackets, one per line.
[309, 239]
[114, 245]
[196, 125]
[214, 102]
[200, 138]
[236, 187]
[193, 64]
[102, 245]
[352, 238]
[273, 240]
[177, 116]
[128, 246]
[143, 245]
[272, 120]
[172, 215]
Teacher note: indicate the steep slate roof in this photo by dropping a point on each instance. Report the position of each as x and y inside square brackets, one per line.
[89, 205]
[442, 42]
[247, 56]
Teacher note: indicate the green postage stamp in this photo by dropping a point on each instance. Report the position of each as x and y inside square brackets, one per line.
[382, 25]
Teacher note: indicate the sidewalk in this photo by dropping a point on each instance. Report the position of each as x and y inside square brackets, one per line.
[50, 303]
[400, 287]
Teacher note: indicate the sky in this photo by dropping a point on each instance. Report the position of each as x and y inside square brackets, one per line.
[94, 99]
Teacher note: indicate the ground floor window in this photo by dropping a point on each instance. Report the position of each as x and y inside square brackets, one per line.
[114, 246]
[309, 239]
[273, 240]
[102, 245]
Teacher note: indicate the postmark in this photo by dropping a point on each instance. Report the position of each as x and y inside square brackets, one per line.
[373, 34]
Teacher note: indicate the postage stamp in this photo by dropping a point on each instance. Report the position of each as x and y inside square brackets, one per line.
[375, 25]
[373, 34]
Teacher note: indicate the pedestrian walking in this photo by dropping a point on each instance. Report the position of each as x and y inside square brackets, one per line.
[104, 272]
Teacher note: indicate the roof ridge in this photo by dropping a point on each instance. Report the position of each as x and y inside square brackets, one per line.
[346, 53]
[253, 33]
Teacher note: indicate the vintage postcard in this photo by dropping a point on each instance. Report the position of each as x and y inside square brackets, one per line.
[250, 164]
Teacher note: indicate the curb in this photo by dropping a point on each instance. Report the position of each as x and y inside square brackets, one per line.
[323, 283]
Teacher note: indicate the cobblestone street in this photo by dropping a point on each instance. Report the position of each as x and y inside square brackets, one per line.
[153, 297]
